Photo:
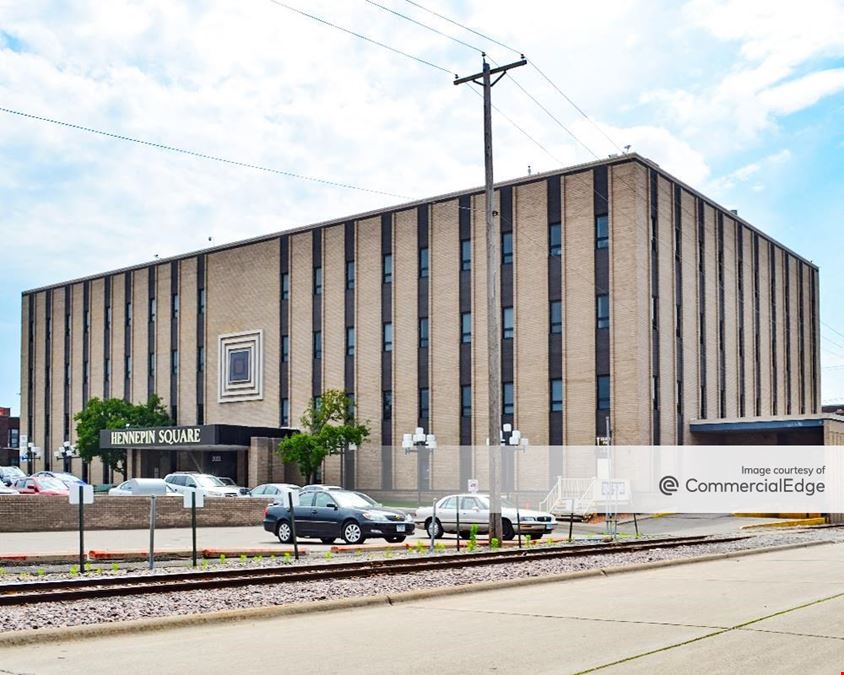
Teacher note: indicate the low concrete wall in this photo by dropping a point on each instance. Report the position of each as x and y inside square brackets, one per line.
[34, 513]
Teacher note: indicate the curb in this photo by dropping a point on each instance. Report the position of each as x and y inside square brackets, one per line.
[90, 631]
[797, 522]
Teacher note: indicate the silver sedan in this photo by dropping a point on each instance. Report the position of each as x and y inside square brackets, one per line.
[474, 510]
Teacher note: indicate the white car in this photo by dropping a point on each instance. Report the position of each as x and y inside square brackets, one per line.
[186, 482]
[275, 492]
[474, 510]
[142, 486]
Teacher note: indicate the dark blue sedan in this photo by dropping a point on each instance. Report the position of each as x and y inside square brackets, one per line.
[329, 514]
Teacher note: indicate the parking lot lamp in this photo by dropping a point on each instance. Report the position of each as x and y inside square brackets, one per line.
[418, 442]
[29, 463]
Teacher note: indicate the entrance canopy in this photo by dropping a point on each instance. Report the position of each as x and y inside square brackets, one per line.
[202, 437]
[819, 429]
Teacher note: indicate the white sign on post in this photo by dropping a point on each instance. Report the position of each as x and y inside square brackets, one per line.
[200, 499]
[473, 485]
[87, 494]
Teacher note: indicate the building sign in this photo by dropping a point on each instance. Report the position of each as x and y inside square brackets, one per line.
[157, 437]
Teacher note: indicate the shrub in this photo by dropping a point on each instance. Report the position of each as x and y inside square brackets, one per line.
[222, 559]
[115, 567]
[439, 547]
[328, 555]
[74, 570]
[287, 557]
[41, 572]
[494, 544]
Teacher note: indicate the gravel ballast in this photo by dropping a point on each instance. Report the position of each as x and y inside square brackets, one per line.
[108, 610]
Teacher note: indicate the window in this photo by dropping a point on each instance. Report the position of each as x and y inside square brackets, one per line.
[317, 402]
[350, 275]
[603, 392]
[323, 500]
[152, 308]
[465, 255]
[556, 317]
[174, 305]
[387, 404]
[67, 320]
[201, 303]
[200, 359]
[174, 414]
[350, 341]
[88, 320]
[66, 374]
[556, 395]
[317, 280]
[388, 269]
[450, 503]
[14, 438]
[602, 308]
[127, 366]
[507, 248]
[465, 401]
[507, 325]
[423, 263]
[108, 318]
[151, 364]
[602, 231]
[174, 361]
[555, 241]
[240, 362]
[423, 332]
[107, 369]
[507, 405]
[317, 344]
[388, 337]
[285, 348]
[424, 403]
[285, 411]
[285, 286]
[466, 328]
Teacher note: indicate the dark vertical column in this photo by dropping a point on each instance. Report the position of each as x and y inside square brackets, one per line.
[701, 307]
[507, 346]
[30, 367]
[107, 315]
[386, 357]
[801, 340]
[741, 326]
[678, 313]
[555, 340]
[465, 227]
[201, 351]
[129, 309]
[722, 335]
[48, 377]
[813, 279]
[151, 355]
[772, 274]
[602, 284]
[86, 354]
[284, 332]
[654, 264]
[757, 366]
[787, 321]
[66, 362]
[175, 365]
[349, 322]
[316, 308]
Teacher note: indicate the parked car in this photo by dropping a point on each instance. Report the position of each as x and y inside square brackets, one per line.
[474, 510]
[41, 485]
[328, 514]
[189, 481]
[5, 490]
[9, 474]
[320, 486]
[276, 492]
[143, 486]
[244, 491]
[67, 478]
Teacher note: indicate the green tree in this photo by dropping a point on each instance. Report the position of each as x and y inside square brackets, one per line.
[114, 413]
[327, 429]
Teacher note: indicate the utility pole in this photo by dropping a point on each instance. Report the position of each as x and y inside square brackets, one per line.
[493, 258]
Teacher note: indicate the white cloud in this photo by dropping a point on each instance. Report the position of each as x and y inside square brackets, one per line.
[748, 171]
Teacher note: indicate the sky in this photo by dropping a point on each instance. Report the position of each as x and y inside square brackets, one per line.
[742, 99]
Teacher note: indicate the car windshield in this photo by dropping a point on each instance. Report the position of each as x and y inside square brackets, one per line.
[208, 481]
[368, 499]
[505, 503]
[350, 500]
[47, 483]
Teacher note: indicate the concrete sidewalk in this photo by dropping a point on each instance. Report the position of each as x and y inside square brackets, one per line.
[779, 612]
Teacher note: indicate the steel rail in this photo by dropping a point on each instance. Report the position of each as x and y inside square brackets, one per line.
[99, 587]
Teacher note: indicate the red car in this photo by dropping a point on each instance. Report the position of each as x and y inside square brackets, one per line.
[41, 485]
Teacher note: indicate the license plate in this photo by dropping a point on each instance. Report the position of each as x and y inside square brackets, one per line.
[399, 528]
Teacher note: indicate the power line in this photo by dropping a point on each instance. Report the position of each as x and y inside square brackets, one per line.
[201, 155]
[832, 329]
[424, 25]
[464, 27]
[362, 37]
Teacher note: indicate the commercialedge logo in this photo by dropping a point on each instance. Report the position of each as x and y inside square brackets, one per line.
[668, 485]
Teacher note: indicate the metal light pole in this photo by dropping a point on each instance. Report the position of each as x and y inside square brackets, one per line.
[493, 256]
[513, 437]
[30, 449]
[66, 456]
[418, 442]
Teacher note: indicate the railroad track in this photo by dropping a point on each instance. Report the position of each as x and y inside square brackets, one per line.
[106, 587]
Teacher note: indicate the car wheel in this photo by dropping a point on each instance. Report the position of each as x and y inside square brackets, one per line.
[434, 529]
[352, 534]
[465, 535]
[508, 532]
[397, 539]
[284, 532]
[327, 540]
